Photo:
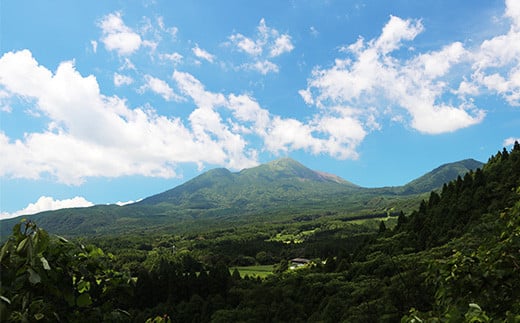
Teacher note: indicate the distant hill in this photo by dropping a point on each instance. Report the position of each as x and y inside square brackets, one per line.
[277, 190]
[440, 175]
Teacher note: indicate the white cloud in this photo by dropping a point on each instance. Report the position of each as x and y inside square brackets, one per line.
[46, 203]
[372, 76]
[175, 58]
[246, 45]
[267, 44]
[94, 45]
[123, 141]
[513, 12]
[160, 87]
[119, 203]
[281, 45]
[246, 109]
[510, 141]
[172, 31]
[263, 67]
[117, 36]
[120, 80]
[127, 65]
[496, 63]
[396, 31]
[337, 136]
[89, 134]
[201, 53]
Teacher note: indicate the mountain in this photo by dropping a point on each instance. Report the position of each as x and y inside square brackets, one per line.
[276, 191]
[280, 181]
[440, 175]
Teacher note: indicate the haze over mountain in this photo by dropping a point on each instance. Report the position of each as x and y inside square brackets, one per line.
[275, 190]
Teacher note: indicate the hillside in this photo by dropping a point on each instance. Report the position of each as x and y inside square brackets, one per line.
[440, 175]
[275, 191]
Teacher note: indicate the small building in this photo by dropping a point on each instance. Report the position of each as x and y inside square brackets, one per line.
[298, 262]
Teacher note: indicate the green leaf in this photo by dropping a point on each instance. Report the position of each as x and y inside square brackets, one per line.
[96, 252]
[45, 263]
[83, 286]
[34, 277]
[41, 240]
[62, 239]
[22, 245]
[5, 299]
[83, 300]
[475, 306]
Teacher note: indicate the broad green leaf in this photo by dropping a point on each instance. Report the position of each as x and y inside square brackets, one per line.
[83, 300]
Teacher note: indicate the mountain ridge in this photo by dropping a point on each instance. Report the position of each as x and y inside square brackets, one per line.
[278, 189]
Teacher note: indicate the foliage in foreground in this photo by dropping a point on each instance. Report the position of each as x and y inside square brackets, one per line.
[47, 278]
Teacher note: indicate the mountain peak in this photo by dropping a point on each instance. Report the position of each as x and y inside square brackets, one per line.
[285, 163]
[287, 168]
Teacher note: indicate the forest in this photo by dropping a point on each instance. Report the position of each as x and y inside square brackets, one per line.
[454, 257]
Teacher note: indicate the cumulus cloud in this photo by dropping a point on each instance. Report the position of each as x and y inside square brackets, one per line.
[117, 36]
[201, 53]
[266, 45]
[336, 136]
[371, 76]
[46, 203]
[497, 61]
[123, 142]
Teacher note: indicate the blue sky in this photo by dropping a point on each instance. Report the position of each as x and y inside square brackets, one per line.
[113, 101]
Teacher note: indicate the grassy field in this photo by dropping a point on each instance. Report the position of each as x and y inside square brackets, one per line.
[254, 271]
